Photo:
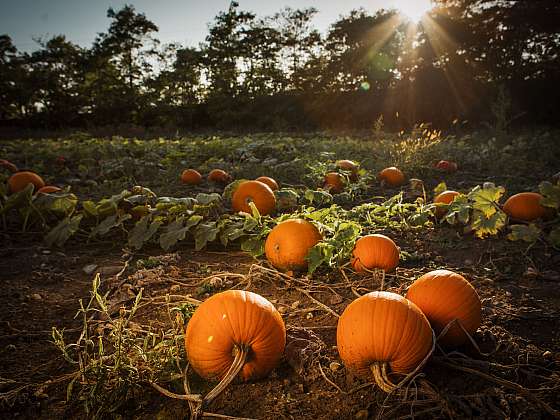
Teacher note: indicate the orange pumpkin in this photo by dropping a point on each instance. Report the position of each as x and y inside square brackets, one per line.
[258, 193]
[348, 165]
[444, 296]
[268, 181]
[375, 251]
[446, 166]
[191, 177]
[18, 181]
[219, 176]
[47, 189]
[228, 323]
[8, 165]
[383, 331]
[391, 176]
[446, 198]
[289, 242]
[525, 206]
[334, 182]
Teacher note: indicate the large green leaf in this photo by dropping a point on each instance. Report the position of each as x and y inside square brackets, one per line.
[63, 231]
[551, 194]
[177, 230]
[486, 199]
[61, 203]
[143, 231]
[109, 223]
[487, 226]
[206, 199]
[527, 233]
[204, 233]
[21, 199]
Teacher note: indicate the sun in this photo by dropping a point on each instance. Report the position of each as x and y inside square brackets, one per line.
[413, 9]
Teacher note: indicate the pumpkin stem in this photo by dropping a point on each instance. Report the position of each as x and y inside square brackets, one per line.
[241, 353]
[379, 370]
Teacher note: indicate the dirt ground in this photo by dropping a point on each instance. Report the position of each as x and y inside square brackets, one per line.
[519, 378]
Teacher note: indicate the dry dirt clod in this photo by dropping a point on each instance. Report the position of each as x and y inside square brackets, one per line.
[335, 366]
[362, 414]
[36, 297]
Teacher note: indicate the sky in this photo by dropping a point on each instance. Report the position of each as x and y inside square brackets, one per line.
[183, 21]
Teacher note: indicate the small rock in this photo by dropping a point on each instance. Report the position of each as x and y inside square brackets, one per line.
[11, 347]
[547, 354]
[46, 252]
[175, 288]
[282, 309]
[37, 297]
[334, 366]
[89, 269]
[309, 315]
[362, 414]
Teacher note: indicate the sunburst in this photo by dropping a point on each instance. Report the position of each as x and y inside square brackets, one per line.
[413, 9]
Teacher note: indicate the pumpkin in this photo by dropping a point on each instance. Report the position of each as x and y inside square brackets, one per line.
[446, 197]
[8, 165]
[268, 181]
[334, 182]
[18, 181]
[444, 296]
[219, 176]
[258, 193]
[375, 251]
[191, 177]
[235, 327]
[446, 166]
[47, 189]
[348, 165]
[525, 206]
[288, 243]
[391, 176]
[383, 332]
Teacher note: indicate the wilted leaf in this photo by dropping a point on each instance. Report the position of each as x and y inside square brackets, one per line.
[63, 231]
[286, 199]
[143, 232]
[204, 233]
[527, 233]
[205, 199]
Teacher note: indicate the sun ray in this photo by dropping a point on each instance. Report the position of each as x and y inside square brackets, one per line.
[414, 10]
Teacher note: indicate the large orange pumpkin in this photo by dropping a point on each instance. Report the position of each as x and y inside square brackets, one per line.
[8, 165]
[525, 206]
[334, 182]
[444, 296]
[18, 181]
[258, 193]
[391, 176]
[219, 176]
[375, 251]
[445, 197]
[231, 322]
[348, 165]
[383, 331]
[446, 166]
[271, 182]
[289, 242]
[47, 189]
[191, 177]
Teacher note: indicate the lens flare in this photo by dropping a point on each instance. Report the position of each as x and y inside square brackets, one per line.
[413, 9]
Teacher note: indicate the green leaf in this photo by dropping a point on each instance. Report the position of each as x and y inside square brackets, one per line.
[142, 232]
[230, 189]
[204, 233]
[205, 199]
[254, 211]
[63, 231]
[458, 210]
[90, 208]
[109, 223]
[527, 233]
[486, 199]
[554, 237]
[551, 194]
[177, 230]
[485, 226]
[254, 245]
[322, 253]
[286, 199]
[441, 187]
[318, 197]
[62, 204]
[19, 200]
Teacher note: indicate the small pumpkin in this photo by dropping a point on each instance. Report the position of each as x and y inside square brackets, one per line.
[525, 206]
[235, 325]
[444, 199]
[48, 189]
[391, 176]
[271, 182]
[288, 243]
[18, 181]
[191, 177]
[219, 176]
[334, 182]
[382, 332]
[348, 165]
[258, 193]
[446, 166]
[375, 251]
[8, 165]
[443, 296]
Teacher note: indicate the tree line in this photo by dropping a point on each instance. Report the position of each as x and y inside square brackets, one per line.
[478, 60]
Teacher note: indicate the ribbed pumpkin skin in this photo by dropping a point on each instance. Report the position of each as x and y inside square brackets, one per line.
[443, 296]
[229, 318]
[447, 166]
[383, 327]
[258, 193]
[375, 251]
[271, 182]
[47, 189]
[348, 165]
[445, 197]
[19, 181]
[334, 182]
[191, 177]
[219, 176]
[525, 206]
[392, 176]
[289, 242]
